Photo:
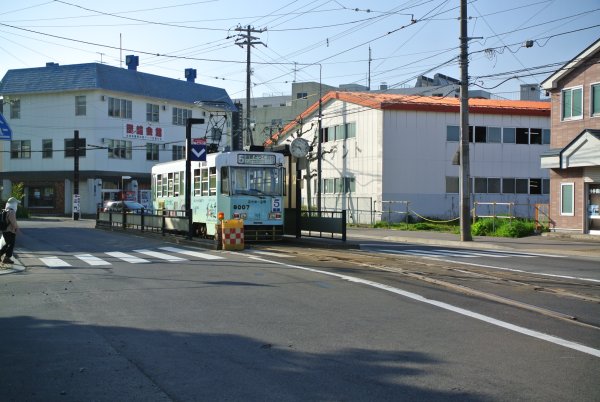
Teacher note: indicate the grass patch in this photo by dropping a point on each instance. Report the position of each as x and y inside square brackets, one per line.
[483, 227]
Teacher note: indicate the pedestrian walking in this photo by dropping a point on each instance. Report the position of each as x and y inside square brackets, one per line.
[10, 233]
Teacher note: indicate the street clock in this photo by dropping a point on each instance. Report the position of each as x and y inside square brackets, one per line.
[299, 148]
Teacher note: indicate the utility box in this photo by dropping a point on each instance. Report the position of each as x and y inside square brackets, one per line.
[233, 234]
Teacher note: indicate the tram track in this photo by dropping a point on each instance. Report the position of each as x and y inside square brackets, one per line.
[453, 275]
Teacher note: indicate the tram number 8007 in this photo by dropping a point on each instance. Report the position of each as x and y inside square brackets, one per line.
[241, 207]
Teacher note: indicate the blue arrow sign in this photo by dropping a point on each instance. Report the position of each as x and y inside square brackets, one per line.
[198, 153]
[5, 131]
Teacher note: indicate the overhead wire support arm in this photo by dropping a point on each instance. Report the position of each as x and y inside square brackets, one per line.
[246, 39]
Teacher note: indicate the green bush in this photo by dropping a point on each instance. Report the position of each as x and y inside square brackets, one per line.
[503, 228]
[483, 227]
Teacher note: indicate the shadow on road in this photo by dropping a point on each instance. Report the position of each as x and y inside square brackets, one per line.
[59, 360]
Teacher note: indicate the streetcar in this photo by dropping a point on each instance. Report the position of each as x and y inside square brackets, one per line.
[232, 185]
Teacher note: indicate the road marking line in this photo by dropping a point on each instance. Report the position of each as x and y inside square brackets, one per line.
[92, 260]
[503, 324]
[269, 253]
[192, 253]
[162, 256]
[53, 262]
[127, 257]
[529, 272]
[478, 253]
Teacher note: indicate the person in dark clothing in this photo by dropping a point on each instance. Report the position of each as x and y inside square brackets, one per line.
[10, 233]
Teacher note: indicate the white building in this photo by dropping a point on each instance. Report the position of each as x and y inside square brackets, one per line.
[126, 121]
[382, 150]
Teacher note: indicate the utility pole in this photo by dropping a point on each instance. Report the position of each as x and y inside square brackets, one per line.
[76, 205]
[246, 39]
[464, 177]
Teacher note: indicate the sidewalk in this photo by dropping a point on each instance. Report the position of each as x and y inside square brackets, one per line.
[574, 245]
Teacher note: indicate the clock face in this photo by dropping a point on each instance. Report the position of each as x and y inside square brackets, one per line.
[299, 147]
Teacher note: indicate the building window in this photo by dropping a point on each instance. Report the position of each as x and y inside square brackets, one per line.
[80, 105]
[20, 149]
[480, 134]
[508, 186]
[325, 134]
[522, 136]
[535, 186]
[151, 112]
[493, 186]
[545, 186]
[453, 133]
[15, 109]
[452, 184]
[119, 108]
[349, 185]
[480, 185]
[572, 103]
[178, 152]
[595, 106]
[46, 149]
[494, 134]
[567, 200]
[521, 186]
[40, 197]
[328, 186]
[70, 147]
[509, 135]
[119, 149]
[180, 116]
[151, 152]
[339, 132]
[302, 95]
[350, 130]
[546, 137]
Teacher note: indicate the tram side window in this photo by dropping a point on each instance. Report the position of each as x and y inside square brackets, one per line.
[212, 181]
[196, 181]
[170, 185]
[158, 185]
[182, 183]
[204, 181]
[164, 185]
[176, 184]
[224, 180]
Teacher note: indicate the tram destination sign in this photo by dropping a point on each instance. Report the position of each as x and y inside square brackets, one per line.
[256, 159]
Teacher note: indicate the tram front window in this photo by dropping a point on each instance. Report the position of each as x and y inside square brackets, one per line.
[256, 181]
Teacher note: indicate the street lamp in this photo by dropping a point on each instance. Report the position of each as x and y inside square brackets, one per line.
[123, 178]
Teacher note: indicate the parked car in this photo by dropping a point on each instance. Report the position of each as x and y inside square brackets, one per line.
[131, 207]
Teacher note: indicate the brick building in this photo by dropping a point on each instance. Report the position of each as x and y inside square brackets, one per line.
[574, 155]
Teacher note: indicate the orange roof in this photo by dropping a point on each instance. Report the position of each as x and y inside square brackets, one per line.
[423, 104]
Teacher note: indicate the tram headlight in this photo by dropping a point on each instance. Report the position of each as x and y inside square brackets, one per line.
[220, 216]
[237, 215]
[274, 215]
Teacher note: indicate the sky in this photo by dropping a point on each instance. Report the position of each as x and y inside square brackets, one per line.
[304, 40]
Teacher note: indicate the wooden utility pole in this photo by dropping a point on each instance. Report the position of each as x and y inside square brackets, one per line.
[464, 178]
[246, 39]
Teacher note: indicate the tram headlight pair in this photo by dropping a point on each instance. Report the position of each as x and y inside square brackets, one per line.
[274, 215]
[237, 215]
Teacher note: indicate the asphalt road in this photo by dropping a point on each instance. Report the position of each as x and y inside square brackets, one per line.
[110, 316]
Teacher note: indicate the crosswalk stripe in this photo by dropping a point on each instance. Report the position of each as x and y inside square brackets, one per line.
[192, 253]
[54, 262]
[127, 257]
[162, 256]
[92, 260]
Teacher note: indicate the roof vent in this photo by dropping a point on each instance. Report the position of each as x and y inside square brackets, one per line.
[132, 62]
[190, 74]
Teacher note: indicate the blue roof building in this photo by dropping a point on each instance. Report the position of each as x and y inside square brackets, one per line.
[126, 120]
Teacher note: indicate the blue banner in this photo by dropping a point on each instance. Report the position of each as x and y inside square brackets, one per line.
[5, 131]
